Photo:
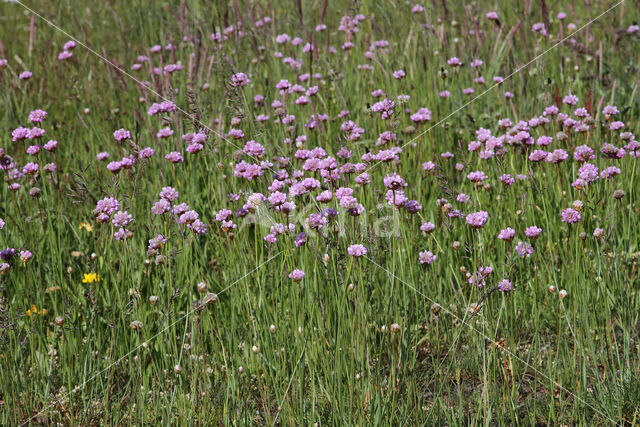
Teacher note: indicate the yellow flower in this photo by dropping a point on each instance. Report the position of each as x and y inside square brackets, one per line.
[86, 226]
[34, 310]
[90, 278]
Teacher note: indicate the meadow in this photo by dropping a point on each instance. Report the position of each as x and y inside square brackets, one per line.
[319, 212]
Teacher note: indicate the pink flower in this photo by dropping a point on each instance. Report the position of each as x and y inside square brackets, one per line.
[426, 257]
[507, 234]
[533, 232]
[296, 275]
[357, 250]
[477, 219]
[571, 216]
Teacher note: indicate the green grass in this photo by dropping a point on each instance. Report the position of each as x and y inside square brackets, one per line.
[325, 352]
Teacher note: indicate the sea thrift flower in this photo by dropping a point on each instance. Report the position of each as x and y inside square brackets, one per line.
[296, 275]
[357, 250]
[427, 257]
[533, 232]
[19, 134]
[37, 116]
[51, 145]
[507, 179]
[477, 176]
[169, 193]
[164, 133]
[427, 227]
[174, 157]
[477, 219]
[25, 256]
[571, 216]
[524, 249]
[507, 234]
[239, 80]
[121, 219]
[570, 99]
[505, 285]
[122, 135]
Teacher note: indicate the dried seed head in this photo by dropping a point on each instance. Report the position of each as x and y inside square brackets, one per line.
[202, 287]
[562, 294]
[136, 325]
[177, 369]
[435, 308]
[618, 194]
[59, 321]
[210, 298]
[552, 289]
[577, 205]
[395, 327]
[272, 328]
[153, 299]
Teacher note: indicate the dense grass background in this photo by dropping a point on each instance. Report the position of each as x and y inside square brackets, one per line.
[324, 352]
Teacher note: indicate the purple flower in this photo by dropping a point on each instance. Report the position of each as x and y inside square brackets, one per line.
[19, 134]
[296, 275]
[300, 239]
[30, 168]
[7, 254]
[37, 116]
[114, 167]
[412, 206]
[121, 219]
[588, 172]
[357, 250]
[223, 215]
[160, 207]
[164, 133]
[394, 182]
[189, 217]
[524, 249]
[477, 176]
[426, 257]
[239, 80]
[25, 256]
[507, 180]
[505, 285]
[477, 219]
[533, 232]
[146, 153]
[507, 234]
[51, 145]
[571, 216]
[122, 135]
[169, 193]
[427, 227]
[174, 157]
